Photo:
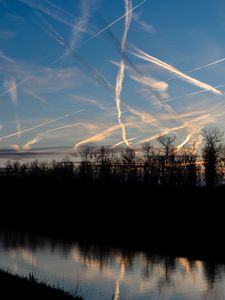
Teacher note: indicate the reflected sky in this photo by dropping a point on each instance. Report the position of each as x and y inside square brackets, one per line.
[111, 273]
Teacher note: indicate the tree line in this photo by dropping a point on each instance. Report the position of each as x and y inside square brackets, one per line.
[150, 165]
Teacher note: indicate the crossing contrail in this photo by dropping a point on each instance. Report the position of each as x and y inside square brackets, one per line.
[191, 94]
[31, 76]
[41, 135]
[39, 125]
[31, 142]
[201, 67]
[120, 74]
[96, 75]
[99, 136]
[117, 20]
[122, 142]
[141, 54]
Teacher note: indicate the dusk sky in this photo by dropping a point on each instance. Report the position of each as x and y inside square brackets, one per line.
[100, 72]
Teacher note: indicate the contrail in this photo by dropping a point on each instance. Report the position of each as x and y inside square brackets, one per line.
[99, 136]
[183, 115]
[119, 83]
[120, 74]
[117, 20]
[40, 7]
[63, 127]
[90, 101]
[31, 76]
[204, 119]
[51, 10]
[122, 142]
[160, 87]
[15, 147]
[47, 27]
[152, 84]
[145, 117]
[41, 135]
[207, 65]
[39, 125]
[51, 31]
[99, 77]
[201, 67]
[18, 126]
[31, 142]
[81, 23]
[187, 139]
[166, 131]
[191, 94]
[197, 144]
[11, 86]
[141, 54]
[5, 57]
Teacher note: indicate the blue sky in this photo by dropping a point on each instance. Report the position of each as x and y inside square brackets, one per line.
[60, 68]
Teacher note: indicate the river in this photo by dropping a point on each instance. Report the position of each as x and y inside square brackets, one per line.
[102, 273]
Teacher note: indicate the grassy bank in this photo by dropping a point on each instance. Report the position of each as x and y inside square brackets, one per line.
[15, 287]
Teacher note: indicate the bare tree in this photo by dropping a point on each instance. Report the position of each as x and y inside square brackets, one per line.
[211, 152]
[168, 158]
[167, 142]
[150, 167]
[128, 159]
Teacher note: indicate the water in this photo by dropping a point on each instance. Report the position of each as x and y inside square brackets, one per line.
[99, 273]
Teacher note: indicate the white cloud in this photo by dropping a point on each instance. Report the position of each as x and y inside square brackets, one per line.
[145, 26]
[38, 79]
[160, 86]
[141, 54]
[10, 84]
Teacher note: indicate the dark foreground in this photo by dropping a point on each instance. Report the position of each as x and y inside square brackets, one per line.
[14, 287]
[166, 220]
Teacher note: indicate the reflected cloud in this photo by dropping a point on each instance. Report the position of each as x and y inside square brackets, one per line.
[100, 269]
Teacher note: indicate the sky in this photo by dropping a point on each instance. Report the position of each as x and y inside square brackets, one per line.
[80, 73]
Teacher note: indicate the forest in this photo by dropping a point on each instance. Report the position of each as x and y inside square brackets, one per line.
[163, 165]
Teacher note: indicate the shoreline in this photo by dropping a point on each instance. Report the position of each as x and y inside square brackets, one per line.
[16, 287]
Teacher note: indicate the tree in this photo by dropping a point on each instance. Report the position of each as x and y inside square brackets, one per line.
[167, 142]
[211, 152]
[150, 164]
[128, 159]
[168, 158]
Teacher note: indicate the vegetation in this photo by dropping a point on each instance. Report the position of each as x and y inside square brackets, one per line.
[15, 287]
[152, 166]
[173, 197]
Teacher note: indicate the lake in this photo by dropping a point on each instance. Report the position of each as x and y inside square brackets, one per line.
[103, 273]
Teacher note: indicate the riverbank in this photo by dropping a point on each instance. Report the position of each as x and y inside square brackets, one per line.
[15, 287]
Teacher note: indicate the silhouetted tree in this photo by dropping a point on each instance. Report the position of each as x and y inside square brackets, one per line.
[128, 159]
[150, 164]
[168, 158]
[104, 159]
[211, 152]
[86, 170]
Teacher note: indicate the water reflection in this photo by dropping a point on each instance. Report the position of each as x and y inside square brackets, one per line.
[103, 273]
